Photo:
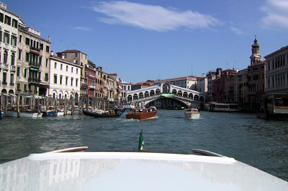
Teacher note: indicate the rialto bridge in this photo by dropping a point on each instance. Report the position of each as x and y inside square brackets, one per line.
[164, 91]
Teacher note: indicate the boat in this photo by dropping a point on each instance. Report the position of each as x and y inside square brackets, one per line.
[192, 113]
[223, 107]
[26, 113]
[67, 169]
[145, 113]
[104, 114]
[1, 114]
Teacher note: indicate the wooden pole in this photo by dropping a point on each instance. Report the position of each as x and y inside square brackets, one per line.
[72, 105]
[17, 105]
[65, 103]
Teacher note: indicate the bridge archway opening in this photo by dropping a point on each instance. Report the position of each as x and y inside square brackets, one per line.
[180, 93]
[152, 93]
[174, 91]
[130, 98]
[135, 96]
[146, 94]
[167, 103]
[190, 96]
[141, 95]
[166, 88]
[196, 97]
[185, 94]
[158, 92]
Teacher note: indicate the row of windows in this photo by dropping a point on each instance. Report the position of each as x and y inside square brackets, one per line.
[4, 79]
[66, 80]
[277, 80]
[276, 62]
[67, 68]
[6, 38]
[7, 20]
[5, 57]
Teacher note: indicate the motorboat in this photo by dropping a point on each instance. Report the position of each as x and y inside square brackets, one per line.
[104, 113]
[69, 170]
[145, 113]
[192, 113]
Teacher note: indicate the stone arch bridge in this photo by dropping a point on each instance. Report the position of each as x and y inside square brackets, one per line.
[163, 90]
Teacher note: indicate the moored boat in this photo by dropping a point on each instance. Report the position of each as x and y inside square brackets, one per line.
[1, 114]
[26, 113]
[104, 114]
[64, 170]
[192, 113]
[145, 113]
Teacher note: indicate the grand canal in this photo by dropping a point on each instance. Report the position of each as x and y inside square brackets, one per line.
[262, 144]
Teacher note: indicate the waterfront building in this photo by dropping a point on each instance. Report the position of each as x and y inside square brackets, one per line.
[91, 80]
[32, 63]
[114, 87]
[211, 75]
[141, 85]
[8, 49]
[189, 82]
[256, 77]
[64, 78]
[202, 85]
[277, 72]
[223, 87]
[100, 83]
[241, 89]
[79, 58]
[126, 87]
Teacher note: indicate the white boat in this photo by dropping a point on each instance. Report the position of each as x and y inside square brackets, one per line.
[134, 171]
[223, 107]
[192, 113]
[28, 114]
[60, 113]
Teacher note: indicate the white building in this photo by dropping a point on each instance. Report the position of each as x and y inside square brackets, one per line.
[8, 49]
[64, 79]
[277, 71]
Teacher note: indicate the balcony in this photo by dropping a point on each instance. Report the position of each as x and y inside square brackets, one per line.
[34, 80]
[35, 50]
[34, 65]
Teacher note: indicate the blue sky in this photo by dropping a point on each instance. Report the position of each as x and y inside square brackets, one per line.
[147, 40]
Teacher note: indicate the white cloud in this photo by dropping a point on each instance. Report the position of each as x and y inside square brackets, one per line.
[82, 28]
[236, 30]
[151, 17]
[276, 14]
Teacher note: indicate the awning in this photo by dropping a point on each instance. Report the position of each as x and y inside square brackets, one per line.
[167, 95]
[35, 69]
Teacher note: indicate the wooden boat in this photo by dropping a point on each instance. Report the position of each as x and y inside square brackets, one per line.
[69, 170]
[26, 113]
[192, 113]
[105, 114]
[145, 113]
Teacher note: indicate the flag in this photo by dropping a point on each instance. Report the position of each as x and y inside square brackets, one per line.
[141, 142]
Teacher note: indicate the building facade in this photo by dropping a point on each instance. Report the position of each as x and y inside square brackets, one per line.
[8, 49]
[241, 89]
[32, 63]
[64, 78]
[277, 72]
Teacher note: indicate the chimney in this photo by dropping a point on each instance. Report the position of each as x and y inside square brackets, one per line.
[49, 39]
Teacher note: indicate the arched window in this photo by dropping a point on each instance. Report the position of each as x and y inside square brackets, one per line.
[152, 93]
[141, 95]
[146, 94]
[135, 96]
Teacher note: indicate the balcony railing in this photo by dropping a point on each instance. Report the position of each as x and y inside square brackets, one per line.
[34, 65]
[33, 80]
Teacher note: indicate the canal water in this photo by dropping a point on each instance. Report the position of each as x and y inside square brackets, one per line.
[262, 144]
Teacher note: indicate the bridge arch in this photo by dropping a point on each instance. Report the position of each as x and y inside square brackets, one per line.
[152, 93]
[174, 91]
[135, 96]
[147, 94]
[141, 95]
[158, 92]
